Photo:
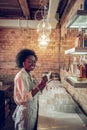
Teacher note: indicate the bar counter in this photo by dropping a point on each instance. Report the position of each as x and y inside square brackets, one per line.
[57, 111]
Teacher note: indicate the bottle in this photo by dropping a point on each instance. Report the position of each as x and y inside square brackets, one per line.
[79, 77]
[78, 40]
[74, 67]
[82, 72]
[84, 68]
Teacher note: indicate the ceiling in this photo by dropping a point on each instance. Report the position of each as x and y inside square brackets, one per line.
[30, 10]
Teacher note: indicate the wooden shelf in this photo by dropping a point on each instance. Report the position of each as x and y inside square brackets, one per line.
[77, 51]
[77, 84]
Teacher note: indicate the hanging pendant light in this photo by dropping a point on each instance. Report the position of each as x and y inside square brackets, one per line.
[44, 27]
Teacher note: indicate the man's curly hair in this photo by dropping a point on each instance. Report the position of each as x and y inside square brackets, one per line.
[22, 55]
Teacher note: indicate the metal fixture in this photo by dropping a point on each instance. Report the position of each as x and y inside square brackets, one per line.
[79, 20]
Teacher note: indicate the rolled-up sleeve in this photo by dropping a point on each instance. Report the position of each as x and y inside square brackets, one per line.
[21, 93]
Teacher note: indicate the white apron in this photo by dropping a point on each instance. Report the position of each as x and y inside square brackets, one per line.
[25, 116]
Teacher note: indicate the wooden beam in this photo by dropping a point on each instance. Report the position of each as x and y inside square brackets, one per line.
[61, 7]
[67, 9]
[25, 8]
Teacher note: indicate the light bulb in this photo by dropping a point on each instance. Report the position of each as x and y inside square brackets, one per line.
[43, 43]
[43, 40]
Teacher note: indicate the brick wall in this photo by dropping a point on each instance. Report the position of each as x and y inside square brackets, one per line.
[68, 41]
[79, 94]
[68, 35]
[13, 40]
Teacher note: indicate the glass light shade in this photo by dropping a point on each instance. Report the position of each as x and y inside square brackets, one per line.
[44, 26]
